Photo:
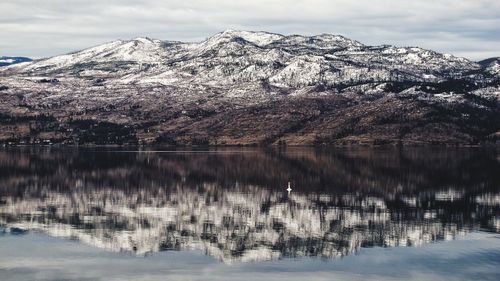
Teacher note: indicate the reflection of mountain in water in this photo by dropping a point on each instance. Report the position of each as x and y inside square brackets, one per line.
[345, 200]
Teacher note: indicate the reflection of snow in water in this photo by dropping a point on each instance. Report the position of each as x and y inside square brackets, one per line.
[241, 224]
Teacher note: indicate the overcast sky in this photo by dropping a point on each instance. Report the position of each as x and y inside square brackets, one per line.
[41, 28]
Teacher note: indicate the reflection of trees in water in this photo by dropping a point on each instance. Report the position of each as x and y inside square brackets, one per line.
[233, 205]
[327, 170]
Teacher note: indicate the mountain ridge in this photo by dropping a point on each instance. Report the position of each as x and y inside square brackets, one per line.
[5, 61]
[190, 93]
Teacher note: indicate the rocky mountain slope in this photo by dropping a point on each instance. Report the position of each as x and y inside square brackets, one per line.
[250, 88]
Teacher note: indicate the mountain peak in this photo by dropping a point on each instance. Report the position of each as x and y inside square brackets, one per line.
[143, 39]
[259, 38]
[335, 37]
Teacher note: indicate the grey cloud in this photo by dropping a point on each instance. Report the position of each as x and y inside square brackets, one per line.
[44, 28]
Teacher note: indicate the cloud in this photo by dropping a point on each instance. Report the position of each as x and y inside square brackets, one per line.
[44, 28]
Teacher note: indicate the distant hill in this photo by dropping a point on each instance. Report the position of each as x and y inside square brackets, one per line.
[488, 62]
[491, 65]
[4, 61]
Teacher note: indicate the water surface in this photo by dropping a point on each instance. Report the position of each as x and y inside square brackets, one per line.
[353, 214]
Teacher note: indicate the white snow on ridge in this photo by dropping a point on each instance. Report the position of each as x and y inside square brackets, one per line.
[72, 58]
[7, 60]
[233, 57]
[259, 38]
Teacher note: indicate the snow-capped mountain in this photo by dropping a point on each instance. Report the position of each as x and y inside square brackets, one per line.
[184, 89]
[241, 56]
[4, 61]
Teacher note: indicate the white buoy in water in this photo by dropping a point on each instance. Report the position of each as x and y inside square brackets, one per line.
[289, 188]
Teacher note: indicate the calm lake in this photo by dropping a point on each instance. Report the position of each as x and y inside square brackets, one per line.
[226, 214]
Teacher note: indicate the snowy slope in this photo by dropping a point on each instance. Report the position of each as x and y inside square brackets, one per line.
[244, 56]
